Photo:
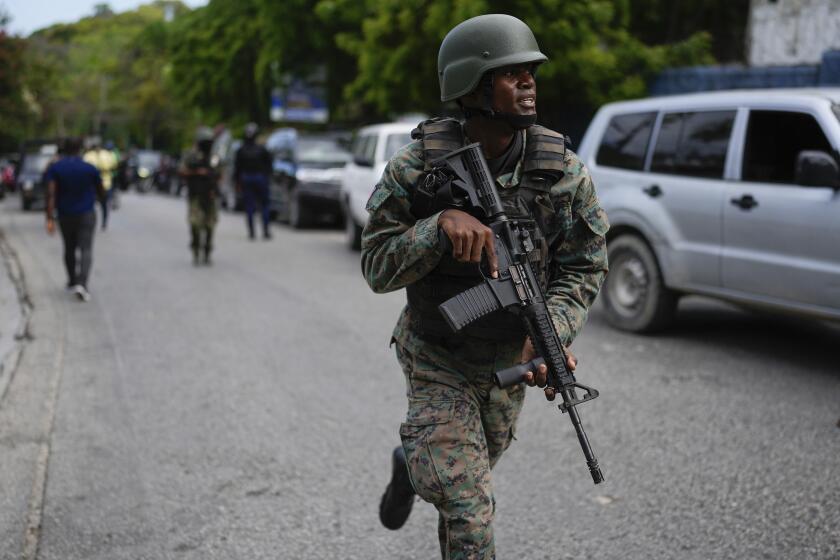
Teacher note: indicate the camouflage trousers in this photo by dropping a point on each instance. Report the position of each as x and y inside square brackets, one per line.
[457, 426]
[202, 217]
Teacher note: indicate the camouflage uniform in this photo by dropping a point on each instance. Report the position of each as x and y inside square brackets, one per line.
[458, 423]
[203, 213]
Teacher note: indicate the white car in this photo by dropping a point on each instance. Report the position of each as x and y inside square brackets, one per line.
[734, 195]
[372, 148]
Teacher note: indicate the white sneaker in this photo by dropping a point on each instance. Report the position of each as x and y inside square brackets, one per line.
[81, 292]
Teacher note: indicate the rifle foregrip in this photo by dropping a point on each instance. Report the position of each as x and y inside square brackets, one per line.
[516, 374]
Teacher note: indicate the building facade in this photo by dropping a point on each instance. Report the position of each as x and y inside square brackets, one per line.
[792, 32]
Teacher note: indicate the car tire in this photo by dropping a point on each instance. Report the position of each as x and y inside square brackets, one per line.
[352, 233]
[634, 295]
[299, 215]
[284, 202]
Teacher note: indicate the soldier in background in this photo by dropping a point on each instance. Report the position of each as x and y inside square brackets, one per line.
[202, 191]
[252, 176]
[458, 422]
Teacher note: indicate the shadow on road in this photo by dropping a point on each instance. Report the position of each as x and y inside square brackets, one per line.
[798, 341]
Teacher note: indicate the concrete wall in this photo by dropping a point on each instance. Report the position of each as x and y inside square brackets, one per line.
[787, 32]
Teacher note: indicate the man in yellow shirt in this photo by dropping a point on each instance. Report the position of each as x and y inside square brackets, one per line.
[106, 163]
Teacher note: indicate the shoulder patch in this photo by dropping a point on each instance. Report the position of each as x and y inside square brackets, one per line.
[379, 195]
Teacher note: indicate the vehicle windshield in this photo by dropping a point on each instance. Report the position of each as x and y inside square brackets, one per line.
[149, 160]
[321, 154]
[35, 163]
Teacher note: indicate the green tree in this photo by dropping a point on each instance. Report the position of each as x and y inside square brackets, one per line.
[14, 108]
[666, 21]
[228, 55]
[593, 56]
[214, 53]
[104, 74]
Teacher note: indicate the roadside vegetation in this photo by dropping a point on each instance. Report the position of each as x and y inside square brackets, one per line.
[147, 76]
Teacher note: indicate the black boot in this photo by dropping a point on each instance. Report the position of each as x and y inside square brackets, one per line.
[396, 503]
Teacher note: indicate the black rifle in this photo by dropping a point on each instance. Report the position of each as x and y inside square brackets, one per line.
[461, 179]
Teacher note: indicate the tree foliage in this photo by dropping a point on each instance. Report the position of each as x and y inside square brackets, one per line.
[593, 56]
[666, 21]
[146, 80]
[105, 74]
[13, 106]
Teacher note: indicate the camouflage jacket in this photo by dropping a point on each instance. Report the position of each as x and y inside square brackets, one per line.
[199, 186]
[398, 249]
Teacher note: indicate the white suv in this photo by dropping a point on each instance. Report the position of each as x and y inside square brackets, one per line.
[372, 148]
[733, 195]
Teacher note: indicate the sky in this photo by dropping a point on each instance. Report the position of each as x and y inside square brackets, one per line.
[30, 15]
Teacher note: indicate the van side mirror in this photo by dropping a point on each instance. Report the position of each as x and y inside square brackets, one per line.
[362, 162]
[817, 169]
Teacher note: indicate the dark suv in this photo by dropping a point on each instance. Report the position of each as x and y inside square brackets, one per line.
[313, 195]
[29, 176]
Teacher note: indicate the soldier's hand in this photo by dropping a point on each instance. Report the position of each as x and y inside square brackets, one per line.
[469, 238]
[540, 377]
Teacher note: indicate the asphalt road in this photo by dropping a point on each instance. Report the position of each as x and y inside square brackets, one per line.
[248, 410]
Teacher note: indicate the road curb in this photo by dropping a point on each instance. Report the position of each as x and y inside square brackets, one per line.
[9, 362]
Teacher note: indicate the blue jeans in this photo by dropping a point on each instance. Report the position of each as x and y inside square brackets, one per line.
[255, 192]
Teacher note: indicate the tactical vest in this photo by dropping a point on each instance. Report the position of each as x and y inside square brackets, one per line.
[531, 204]
[253, 158]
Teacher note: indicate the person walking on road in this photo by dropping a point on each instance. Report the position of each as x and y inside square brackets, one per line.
[72, 189]
[202, 180]
[106, 162]
[252, 174]
[458, 422]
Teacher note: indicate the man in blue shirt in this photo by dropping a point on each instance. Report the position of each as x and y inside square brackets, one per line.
[72, 189]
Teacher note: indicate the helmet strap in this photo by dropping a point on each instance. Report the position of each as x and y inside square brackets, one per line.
[516, 122]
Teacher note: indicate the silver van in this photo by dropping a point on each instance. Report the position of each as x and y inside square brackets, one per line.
[734, 195]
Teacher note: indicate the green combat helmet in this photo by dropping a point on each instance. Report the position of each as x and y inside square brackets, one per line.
[479, 44]
[204, 138]
[203, 133]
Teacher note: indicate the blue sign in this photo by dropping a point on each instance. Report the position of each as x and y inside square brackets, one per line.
[300, 102]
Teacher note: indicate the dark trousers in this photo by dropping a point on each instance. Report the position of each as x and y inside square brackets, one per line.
[256, 191]
[201, 239]
[77, 231]
[104, 203]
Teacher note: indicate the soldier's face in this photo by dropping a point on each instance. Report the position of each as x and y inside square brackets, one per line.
[515, 90]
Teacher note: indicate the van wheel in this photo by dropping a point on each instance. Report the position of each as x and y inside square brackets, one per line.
[353, 233]
[634, 295]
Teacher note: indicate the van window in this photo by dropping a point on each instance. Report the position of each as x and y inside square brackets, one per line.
[394, 142]
[693, 144]
[626, 140]
[364, 150]
[774, 140]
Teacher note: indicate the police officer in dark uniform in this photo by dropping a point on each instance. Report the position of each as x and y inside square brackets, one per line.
[252, 174]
